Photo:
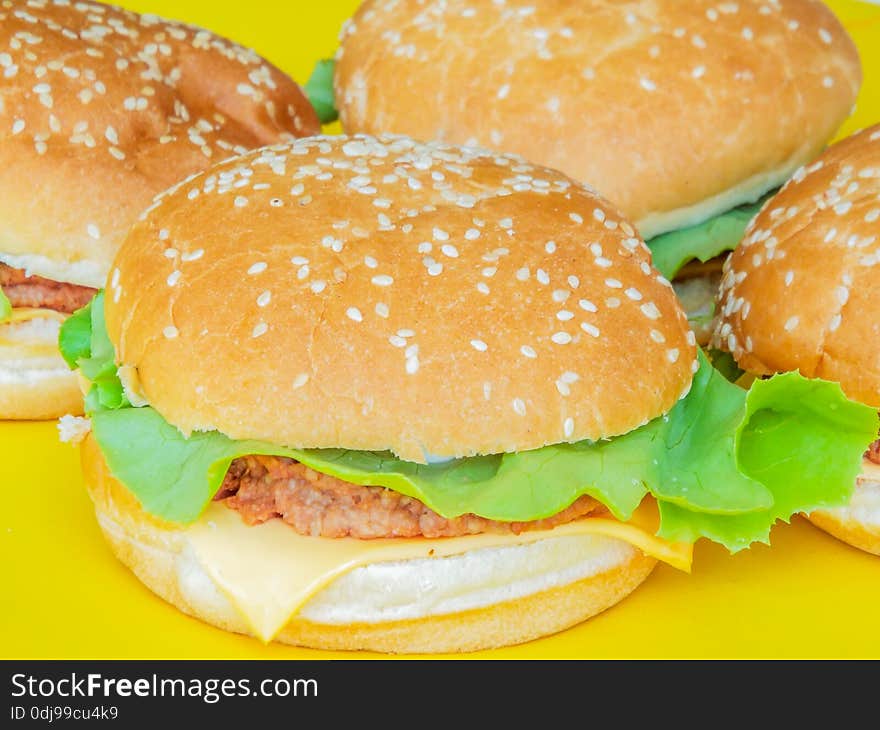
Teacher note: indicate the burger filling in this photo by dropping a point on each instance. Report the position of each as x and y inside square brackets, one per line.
[34, 291]
[873, 452]
[262, 488]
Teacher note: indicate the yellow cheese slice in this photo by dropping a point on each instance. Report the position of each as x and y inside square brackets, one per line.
[26, 314]
[270, 571]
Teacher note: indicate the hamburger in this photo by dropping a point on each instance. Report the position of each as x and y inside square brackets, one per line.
[799, 294]
[684, 114]
[370, 393]
[101, 110]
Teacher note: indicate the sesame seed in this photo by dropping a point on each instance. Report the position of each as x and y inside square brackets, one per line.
[382, 310]
[590, 329]
[602, 262]
[472, 234]
[613, 284]
[560, 295]
[479, 345]
[843, 208]
[264, 298]
[834, 324]
[672, 355]
[170, 332]
[261, 329]
[482, 288]
[173, 277]
[383, 280]
[528, 352]
[397, 341]
[519, 406]
[440, 235]
[587, 305]
[449, 250]
[650, 310]
[577, 218]
[522, 274]
[872, 216]
[791, 323]
[842, 294]
[353, 313]
[658, 337]
[647, 84]
[568, 427]
[18, 126]
[412, 365]
[698, 72]
[550, 246]
[563, 315]
[825, 35]
[542, 277]
[561, 338]
[300, 380]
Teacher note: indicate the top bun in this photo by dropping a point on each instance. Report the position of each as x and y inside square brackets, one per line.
[101, 109]
[384, 294]
[675, 111]
[801, 291]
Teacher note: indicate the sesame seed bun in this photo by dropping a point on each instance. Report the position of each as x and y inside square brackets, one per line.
[800, 293]
[35, 382]
[675, 111]
[383, 606]
[379, 293]
[103, 108]
[858, 523]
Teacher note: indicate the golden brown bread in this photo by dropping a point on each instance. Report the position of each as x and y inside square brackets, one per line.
[103, 108]
[801, 291]
[675, 111]
[386, 294]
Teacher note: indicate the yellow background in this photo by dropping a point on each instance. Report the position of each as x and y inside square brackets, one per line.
[62, 595]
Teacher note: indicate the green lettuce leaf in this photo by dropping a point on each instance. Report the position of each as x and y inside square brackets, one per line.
[803, 440]
[5, 306]
[723, 463]
[704, 241]
[84, 344]
[724, 363]
[75, 338]
[319, 90]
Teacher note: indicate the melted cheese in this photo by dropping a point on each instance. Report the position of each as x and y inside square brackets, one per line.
[268, 571]
[26, 314]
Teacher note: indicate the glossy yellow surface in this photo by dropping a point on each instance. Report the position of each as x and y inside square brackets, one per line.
[64, 596]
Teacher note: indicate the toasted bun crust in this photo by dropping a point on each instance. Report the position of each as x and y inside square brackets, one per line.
[381, 294]
[161, 557]
[801, 291]
[102, 109]
[675, 111]
[858, 523]
[35, 382]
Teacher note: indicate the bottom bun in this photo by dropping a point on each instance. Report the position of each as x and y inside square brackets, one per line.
[35, 382]
[859, 522]
[483, 598]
